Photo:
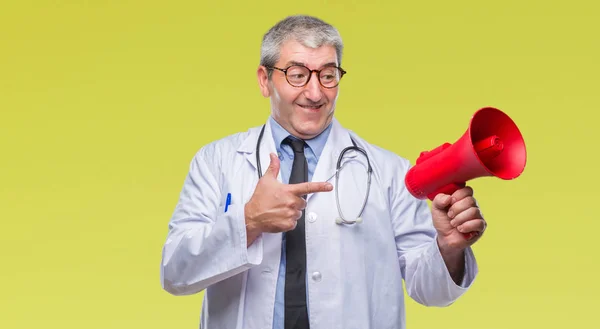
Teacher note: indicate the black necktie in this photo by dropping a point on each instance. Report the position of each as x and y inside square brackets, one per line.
[296, 313]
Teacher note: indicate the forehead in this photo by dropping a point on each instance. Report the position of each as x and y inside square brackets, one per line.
[294, 52]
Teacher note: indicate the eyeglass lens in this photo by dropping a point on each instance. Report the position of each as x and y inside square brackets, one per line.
[299, 75]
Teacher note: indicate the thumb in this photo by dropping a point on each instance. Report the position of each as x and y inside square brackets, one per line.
[441, 202]
[273, 169]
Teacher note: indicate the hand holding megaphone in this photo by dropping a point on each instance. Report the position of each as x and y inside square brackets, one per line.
[491, 146]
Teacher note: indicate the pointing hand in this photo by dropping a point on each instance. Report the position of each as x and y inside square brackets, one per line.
[275, 207]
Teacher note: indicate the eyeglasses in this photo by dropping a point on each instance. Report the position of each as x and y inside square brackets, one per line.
[299, 75]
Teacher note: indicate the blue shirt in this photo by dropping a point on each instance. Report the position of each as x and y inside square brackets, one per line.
[286, 158]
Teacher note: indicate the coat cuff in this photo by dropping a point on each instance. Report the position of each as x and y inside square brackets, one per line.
[253, 254]
[470, 271]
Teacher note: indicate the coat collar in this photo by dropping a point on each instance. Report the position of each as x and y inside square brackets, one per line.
[267, 146]
[339, 138]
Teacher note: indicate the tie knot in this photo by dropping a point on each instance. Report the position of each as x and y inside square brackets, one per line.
[296, 144]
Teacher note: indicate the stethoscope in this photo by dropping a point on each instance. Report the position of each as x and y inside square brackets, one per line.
[341, 219]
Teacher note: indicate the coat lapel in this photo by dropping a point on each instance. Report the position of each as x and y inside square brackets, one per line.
[338, 140]
[267, 146]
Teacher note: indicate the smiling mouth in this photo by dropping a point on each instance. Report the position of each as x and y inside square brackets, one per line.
[311, 107]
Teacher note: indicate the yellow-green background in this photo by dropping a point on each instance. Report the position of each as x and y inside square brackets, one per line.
[104, 103]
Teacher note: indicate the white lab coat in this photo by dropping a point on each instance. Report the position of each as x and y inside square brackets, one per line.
[354, 272]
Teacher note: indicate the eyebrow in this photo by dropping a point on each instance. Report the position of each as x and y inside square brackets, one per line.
[291, 63]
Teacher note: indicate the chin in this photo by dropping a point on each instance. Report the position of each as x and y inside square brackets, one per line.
[310, 128]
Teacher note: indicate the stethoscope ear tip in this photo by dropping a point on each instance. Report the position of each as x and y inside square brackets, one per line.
[359, 220]
[338, 221]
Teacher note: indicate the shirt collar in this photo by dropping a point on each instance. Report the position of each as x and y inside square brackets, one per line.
[316, 144]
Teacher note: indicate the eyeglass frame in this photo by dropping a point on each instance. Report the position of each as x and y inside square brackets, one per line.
[318, 72]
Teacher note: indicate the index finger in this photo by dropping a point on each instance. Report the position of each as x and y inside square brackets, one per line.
[462, 193]
[301, 189]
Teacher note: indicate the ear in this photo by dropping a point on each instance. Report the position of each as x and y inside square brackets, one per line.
[263, 81]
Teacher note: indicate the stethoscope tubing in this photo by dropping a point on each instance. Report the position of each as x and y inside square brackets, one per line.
[341, 219]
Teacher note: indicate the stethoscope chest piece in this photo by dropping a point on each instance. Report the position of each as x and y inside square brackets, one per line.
[340, 221]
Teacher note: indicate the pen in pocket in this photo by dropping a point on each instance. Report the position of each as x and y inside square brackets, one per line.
[228, 201]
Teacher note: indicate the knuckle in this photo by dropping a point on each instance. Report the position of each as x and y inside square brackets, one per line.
[479, 214]
[471, 201]
[468, 190]
[290, 203]
[277, 195]
[298, 205]
[290, 213]
[303, 204]
[473, 211]
[455, 208]
[292, 225]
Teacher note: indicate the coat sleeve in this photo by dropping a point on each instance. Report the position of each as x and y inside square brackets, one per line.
[426, 276]
[205, 244]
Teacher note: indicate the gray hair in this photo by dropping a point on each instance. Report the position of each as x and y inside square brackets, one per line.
[307, 30]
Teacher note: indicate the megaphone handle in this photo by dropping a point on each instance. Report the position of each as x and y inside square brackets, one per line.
[449, 189]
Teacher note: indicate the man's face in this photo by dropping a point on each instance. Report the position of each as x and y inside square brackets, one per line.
[303, 111]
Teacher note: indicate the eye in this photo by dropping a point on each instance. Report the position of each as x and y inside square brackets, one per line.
[297, 76]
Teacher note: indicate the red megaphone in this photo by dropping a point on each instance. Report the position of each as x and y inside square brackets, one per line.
[491, 146]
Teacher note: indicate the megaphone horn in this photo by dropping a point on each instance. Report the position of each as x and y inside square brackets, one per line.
[491, 146]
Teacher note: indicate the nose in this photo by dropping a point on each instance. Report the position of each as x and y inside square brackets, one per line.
[312, 90]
